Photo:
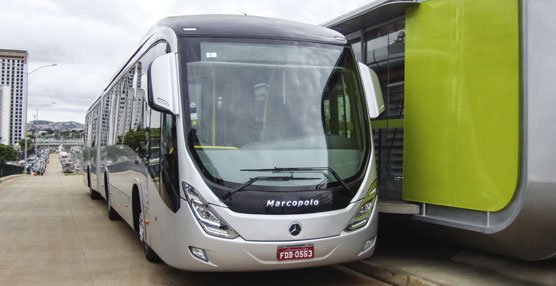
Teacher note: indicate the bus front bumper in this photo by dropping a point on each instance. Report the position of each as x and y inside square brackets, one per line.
[242, 255]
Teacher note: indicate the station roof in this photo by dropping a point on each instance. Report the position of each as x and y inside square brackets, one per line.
[249, 26]
[369, 15]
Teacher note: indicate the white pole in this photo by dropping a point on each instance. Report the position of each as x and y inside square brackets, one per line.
[26, 103]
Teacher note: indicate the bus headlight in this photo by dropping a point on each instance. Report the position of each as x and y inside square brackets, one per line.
[207, 218]
[363, 214]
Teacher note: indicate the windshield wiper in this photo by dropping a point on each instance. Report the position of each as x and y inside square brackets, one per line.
[346, 190]
[265, 178]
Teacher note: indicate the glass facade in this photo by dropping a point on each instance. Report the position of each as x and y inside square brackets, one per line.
[382, 48]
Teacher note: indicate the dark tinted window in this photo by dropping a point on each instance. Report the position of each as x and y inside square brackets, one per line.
[169, 183]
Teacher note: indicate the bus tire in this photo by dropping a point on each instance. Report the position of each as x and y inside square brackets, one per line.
[89, 177]
[94, 195]
[150, 255]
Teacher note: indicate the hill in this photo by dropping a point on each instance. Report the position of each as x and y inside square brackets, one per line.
[60, 126]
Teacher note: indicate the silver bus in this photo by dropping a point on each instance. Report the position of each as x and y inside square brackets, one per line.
[239, 143]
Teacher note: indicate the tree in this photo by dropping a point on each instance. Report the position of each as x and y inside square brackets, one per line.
[22, 144]
[7, 153]
[136, 141]
[30, 145]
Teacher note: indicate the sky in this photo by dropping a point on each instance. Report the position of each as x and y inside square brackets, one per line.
[89, 40]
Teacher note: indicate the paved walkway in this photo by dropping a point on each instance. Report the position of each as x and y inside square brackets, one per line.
[403, 259]
[53, 234]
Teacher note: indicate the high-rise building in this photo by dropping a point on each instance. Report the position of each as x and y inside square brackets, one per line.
[5, 100]
[14, 74]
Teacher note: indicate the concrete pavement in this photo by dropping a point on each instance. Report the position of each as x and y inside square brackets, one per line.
[53, 234]
[405, 259]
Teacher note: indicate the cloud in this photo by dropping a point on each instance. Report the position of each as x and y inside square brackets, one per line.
[90, 39]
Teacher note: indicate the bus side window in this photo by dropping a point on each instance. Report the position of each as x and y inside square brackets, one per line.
[169, 183]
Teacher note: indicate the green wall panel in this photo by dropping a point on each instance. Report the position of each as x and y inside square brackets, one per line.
[462, 99]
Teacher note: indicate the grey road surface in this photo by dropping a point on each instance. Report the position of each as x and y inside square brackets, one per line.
[51, 233]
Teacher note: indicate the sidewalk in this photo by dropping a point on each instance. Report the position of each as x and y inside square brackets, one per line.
[405, 260]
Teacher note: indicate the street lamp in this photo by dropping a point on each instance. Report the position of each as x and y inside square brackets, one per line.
[46, 66]
[26, 95]
[37, 119]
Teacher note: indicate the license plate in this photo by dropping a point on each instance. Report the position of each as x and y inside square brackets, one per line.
[295, 252]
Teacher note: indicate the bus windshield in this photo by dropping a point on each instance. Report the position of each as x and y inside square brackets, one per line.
[255, 106]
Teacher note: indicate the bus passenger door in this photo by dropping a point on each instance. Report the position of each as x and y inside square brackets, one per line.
[163, 170]
[156, 213]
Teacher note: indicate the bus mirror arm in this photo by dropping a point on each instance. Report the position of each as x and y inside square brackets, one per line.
[163, 84]
[372, 90]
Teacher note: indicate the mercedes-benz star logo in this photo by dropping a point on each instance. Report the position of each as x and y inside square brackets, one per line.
[295, 228]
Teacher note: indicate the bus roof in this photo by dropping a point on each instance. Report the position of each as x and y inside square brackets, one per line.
[249, 27]
[238, 26]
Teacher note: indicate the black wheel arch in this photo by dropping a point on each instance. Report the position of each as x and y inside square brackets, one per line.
[88, 176]
[136, 206]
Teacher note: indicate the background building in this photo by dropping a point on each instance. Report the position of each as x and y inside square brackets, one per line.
[5, 100]
[13, 73]
[449, 135]
[465, 145]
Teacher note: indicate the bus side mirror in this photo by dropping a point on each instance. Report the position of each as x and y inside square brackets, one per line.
[373, 93]
[163, 83]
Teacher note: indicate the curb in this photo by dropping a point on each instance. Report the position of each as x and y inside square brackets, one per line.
[389, 274]
[7, 178]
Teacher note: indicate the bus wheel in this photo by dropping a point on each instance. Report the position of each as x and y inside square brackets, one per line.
[150, 255]
[93, 194]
